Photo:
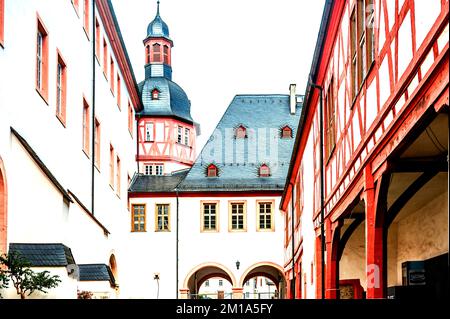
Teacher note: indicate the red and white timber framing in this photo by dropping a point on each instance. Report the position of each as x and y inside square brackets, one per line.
[408, 79]
[165, 146]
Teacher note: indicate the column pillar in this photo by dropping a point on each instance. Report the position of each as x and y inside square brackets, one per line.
[375, 202]
[332, 265]
[318, 267]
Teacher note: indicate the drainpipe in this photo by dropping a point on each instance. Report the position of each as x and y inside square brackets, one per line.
[137, 141]
[322, 185]
[93, 112]
[293, 240]
[176, 248]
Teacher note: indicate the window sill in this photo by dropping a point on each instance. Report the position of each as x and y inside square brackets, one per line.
[181, 144]
[97, 58]
[86, 33]
[131, 133]
[86, 153]
[112, 187]
[112, 91]
[42, 95]
[237, 230]
[76, 10]
[209, 231]
[96, 165]
[61, 120]
[265, 230]
[162, 231]
[138, 231]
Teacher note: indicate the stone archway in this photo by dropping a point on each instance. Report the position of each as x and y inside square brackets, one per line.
[198, 275]
[3, 209]
[269, 270]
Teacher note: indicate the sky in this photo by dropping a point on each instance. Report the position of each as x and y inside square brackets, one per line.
[227, 47]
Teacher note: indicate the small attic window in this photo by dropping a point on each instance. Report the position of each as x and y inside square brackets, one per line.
[155, 94]
[264, 171]
[240, 132]
[286, 132]
[212, 171]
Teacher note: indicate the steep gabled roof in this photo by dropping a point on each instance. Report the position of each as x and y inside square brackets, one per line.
[238, 160]
[44, 255]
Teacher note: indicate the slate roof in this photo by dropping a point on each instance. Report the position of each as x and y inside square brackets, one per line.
[150, 184]
[96, 272]
[172, 101]
[44, 255]
[158, 28]
[238, 160]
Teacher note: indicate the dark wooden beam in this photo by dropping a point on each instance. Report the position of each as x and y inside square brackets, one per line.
[359, 218]
[407, 195]
[412, 165]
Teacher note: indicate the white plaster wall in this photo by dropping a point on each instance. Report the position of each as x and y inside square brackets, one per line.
[100, 289]
[66, 289]
[307, 227]
[36, 211]
[421, 235]
[353, 261]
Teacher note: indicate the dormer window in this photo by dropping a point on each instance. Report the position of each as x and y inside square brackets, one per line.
[155, 94]
[286, 132]
[264, 171]
[212, 171]
[240, 132]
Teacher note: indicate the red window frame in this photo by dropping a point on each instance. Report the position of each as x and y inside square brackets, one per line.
[119, 83]
[286, 132]
[97, 141]
[2, 22]
[97, 39]
[86, 11]
[264, 171]
[86, 126]
[112, 75]
[61, 87]
[241, 132]
[42, 59]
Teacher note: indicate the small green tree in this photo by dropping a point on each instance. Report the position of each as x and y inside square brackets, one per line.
[15, 268]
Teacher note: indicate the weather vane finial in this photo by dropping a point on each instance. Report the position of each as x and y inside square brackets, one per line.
[157, 10]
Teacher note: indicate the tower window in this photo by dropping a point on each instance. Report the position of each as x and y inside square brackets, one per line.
[212, 171]
[155, 94]
[156, 52]
[286, 132]
[241, 132]
[149, 132]
[186, 136]
[166, 54]
[264, 171]
[180, 134]
[147, 54]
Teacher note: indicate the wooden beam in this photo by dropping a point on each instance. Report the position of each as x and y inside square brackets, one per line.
[407, 165]
[407, 195]
[359, 218]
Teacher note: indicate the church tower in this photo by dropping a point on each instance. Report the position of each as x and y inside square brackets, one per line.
[166, 130]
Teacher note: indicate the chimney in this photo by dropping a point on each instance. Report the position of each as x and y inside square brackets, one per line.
[292, 98]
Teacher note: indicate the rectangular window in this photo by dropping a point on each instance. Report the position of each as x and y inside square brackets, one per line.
[97, 143]
[362, 42]
[154, 169]
[138, 221]
[330, 120]
[207, 283]
[97, 39]
[166, 54]
[61, 81]
[42, 60]
[111, 166]
[265, 215]
[112, 75]
[118, 181]
[237, 219]
[118, 90]
[186, 136]
[86, 126]
[105, 58]
[220, 282]
[86, 16]
[130, 118]
[2, 22]
[209, 216]
[149, 132]
[162, 217]
[180, 134]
